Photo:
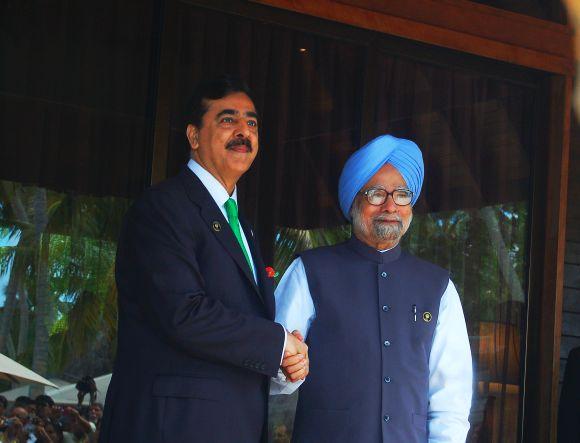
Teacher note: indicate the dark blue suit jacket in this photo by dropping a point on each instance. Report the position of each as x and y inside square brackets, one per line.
[196, 340]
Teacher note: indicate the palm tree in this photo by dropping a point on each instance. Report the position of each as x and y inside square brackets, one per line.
[291, 241]
[61, 276]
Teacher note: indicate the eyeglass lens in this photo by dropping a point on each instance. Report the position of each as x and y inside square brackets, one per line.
[377, 197]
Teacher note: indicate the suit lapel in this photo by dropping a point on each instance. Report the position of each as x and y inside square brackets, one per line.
[217, 224]
[265, 283]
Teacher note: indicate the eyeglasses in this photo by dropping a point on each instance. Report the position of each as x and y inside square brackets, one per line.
[377, 196]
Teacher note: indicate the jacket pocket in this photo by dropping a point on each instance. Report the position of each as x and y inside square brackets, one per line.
[188, 387]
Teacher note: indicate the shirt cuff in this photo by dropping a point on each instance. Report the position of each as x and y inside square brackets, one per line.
[284, 347]
[281, 386]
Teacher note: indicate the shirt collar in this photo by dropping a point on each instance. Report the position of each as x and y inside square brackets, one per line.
[213, 186]
[372, 254]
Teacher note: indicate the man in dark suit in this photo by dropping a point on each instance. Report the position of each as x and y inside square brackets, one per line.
[197, 343]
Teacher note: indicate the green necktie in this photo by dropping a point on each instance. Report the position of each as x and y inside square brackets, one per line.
[232, 211]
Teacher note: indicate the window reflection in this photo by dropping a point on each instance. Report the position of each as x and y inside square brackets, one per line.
[57, 257]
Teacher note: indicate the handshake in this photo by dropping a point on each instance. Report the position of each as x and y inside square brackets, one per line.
[295, 363]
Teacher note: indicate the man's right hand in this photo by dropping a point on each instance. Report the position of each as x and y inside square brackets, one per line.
[295, 363]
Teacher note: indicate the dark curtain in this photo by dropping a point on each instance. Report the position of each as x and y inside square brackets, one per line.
[475, 131]
[315, 94]
[74, 87]
[308, 92]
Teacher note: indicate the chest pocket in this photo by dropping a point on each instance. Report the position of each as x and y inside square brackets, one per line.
[422, 321]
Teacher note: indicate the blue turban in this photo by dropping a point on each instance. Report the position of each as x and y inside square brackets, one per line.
[366, 161]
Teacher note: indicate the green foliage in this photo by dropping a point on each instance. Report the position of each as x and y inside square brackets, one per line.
[484, 249]
[82, 293]
[289, 242]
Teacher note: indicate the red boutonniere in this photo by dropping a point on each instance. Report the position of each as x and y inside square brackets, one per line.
[271, 272]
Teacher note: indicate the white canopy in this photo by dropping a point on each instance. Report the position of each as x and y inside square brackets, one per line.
[13, 394]
[16, 373]
[67, 395]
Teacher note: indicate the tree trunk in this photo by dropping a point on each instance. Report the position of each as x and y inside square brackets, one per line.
[42, 300]
[506, 264]
[24, 320]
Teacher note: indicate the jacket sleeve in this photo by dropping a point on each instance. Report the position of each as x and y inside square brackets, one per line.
[174, 300]
[295, 311]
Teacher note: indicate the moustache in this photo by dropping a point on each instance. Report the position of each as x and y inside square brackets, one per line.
[380, 218]
[240, 142]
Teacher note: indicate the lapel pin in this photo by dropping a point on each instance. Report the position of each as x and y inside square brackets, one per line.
[216, 226]
[427, 317]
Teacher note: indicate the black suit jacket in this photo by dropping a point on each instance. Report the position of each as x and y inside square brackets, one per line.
[196, 340]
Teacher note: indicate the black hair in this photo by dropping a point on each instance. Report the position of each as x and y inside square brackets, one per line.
[3, 402]
[23, 401]
[211, 89]
[44, 400]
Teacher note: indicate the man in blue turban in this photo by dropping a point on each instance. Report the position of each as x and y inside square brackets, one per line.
[390, 357]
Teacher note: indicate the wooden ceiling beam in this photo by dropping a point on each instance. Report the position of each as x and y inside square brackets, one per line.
[454, 24]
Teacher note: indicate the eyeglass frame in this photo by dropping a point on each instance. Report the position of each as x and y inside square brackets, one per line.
[391, 194]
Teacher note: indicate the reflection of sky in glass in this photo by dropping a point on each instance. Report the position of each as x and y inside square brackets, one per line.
[6, 241]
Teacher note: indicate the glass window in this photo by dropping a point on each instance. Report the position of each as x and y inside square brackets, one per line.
[321, 97]
[73, 152]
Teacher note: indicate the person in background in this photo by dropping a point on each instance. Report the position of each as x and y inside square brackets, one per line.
[3, 406]
[43, 431]
[44, 407]
[86, 385]
[53, 432]
[12, 428]
[25, 402]
[76, 428]
[96, 414]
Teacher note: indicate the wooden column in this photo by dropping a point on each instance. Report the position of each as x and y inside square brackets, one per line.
[547, 266]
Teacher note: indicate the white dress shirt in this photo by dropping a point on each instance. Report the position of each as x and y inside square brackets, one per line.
[220, 196]
[450, 366]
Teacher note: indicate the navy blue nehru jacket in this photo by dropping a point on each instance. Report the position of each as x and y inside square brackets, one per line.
[358, 390]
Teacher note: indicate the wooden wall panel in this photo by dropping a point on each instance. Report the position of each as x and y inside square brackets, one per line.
[571, 300]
